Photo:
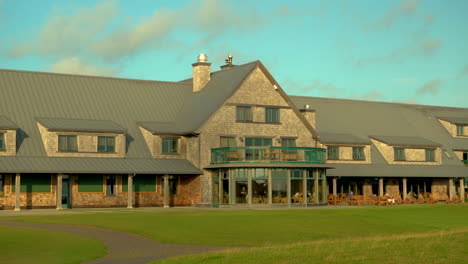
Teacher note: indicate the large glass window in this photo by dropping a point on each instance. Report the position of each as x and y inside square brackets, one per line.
[2, 141]
[297, 186]
[259, 185]
[259, 153]
[67, 143]
[279, 184]
[430, 154]
[460, 129]
[110, 185]
[333, 153]
[289, 151]
[358, 153]
[241, 178]
[170, 145]
[312, 194]
[106, 144]
[272, 115]
[244, 113]
[399, 154]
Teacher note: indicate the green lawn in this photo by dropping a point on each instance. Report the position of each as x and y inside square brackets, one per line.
[33, 246]
[271, 227]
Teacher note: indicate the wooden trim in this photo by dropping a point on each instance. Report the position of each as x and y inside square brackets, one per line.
[259, 105]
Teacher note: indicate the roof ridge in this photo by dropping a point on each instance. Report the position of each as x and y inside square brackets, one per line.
[90, 76]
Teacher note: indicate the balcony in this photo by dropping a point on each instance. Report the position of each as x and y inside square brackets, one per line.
[268, 154]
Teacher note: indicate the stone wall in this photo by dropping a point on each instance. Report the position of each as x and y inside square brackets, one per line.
[10, 142]
[439, 188]
[28, 200]
[393, 186]
[87, 144]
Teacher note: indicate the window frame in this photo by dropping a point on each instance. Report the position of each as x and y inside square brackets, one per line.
[174, 150]
[227, 139]
[244, 113]
[271, 112]
[111, 180]
[337, 153]
[2, 141]
[107, 148]
[430, 155]
[66, 148]
[460, 130]
[397, 157]
[361, 155]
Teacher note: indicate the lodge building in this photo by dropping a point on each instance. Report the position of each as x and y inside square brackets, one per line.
[221, 138]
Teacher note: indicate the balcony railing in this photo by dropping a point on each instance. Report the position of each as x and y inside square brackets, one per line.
[268, 154]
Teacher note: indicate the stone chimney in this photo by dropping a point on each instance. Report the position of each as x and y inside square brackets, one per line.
[201, 72]
[309, 114]
[228, 63]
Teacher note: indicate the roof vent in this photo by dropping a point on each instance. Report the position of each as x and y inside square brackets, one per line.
[202, 57]
[228, 63]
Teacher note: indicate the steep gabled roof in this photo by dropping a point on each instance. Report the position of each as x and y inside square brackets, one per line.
[406, 141]
[81, 125]
[6, 123]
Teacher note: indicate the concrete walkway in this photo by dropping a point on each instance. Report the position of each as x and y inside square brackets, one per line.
[123, 248]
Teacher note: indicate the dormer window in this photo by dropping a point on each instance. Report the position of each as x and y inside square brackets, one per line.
[460, 129]
[430, 154]
[244, 114]
[399, 154]
[170, 145]
[358, 153]
[106, 144]
[333, 153]
[2, 141]
[67, 143]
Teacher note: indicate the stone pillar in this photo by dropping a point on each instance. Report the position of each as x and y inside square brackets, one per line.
[270, 187]
[324, 187]
[249, 186]
[334, 187]
[462, 190]
[59, 191]
[166, 191]
[405, 186]
[17, 192]
[450, 188]
[381, 187]
[220, 189]
[304, 186]
[130, 191]
[233, 186]
[288, 187]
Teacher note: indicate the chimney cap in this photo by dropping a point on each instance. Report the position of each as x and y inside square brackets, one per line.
[202, 57]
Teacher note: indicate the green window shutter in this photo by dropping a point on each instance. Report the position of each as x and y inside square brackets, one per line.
[90, 183]
[2, 141]
[33, 183]
[141, 183]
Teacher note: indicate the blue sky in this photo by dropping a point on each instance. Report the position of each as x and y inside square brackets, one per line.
[396, 51]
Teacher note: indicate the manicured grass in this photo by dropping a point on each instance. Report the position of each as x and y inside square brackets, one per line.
[271, 227]
[33, 246]
[440, 247]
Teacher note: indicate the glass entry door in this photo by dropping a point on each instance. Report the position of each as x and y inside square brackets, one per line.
[66, 191]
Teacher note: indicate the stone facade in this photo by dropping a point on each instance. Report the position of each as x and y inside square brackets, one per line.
[87, 144]
[346, 154]
[452, 129]
[10, 142]
[28, 199]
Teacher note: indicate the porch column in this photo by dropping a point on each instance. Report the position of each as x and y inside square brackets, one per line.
[450, 189]
[462, 190]
[324, 187]
[316, 187]
[304, 186]
[380, 187]
[130, 191]
[166, 191]
[249, 186]
[405, 190]
[232, 185]
[270, 187]
[59, 191]
[220, 189]
[288, 187]
[17, 192]
[334, 186]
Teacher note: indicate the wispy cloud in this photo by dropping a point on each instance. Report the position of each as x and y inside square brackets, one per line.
[404, 8]
[420, 47]
[430, 87]
[407, 101]
[313, 86]
[370, 96]
[76, 65]
[463, 72]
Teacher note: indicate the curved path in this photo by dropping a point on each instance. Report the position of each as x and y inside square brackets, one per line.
[122, 247]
